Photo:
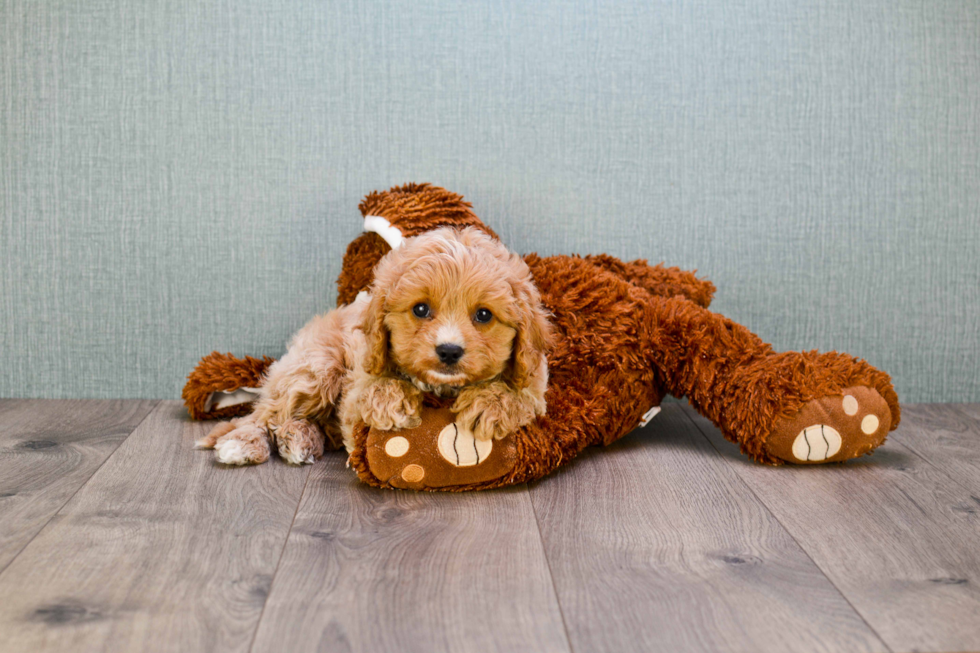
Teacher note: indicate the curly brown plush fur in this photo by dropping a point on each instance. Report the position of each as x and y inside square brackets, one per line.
[219, 372]
[626, 334]
[418, 207]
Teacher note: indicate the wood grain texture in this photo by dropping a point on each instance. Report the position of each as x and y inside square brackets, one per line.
[890, 531]
[380, 570]
[948, 436]
[656, 545]
[161, 550]
[665, 541]
[49, 449]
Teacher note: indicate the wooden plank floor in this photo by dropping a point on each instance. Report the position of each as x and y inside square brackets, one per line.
[49, 449]
[116, 535]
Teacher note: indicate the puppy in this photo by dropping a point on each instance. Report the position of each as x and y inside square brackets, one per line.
[451, 312]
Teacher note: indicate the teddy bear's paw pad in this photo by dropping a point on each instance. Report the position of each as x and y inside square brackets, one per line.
[816, 443]
[461, 449]
[439, 454]
[832, 429]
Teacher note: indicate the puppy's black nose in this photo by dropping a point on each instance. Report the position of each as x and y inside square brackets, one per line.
[449, 353]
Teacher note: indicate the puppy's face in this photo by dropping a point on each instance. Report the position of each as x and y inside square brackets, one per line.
[451, 326]
[454, 308]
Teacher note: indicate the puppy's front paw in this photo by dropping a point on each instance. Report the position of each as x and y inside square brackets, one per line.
[491, 411]
[299, 442]
[238, 442]
[387, 404]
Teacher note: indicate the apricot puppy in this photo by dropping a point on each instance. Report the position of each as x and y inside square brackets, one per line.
[450, 311]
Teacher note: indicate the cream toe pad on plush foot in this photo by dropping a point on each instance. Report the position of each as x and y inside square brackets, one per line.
[817, 442]
[460, 448]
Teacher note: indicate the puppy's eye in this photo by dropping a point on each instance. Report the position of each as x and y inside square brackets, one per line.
[420, 310]
[483, 315]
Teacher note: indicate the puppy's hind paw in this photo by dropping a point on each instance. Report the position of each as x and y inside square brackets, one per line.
[299, 442]
[231, 452]
[220, 429]
[237, 443]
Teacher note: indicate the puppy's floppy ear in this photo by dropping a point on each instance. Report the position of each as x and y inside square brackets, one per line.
[533, 337]
[389, 270]
[376, 360]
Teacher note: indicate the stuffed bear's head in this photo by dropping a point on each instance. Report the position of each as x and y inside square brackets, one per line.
[390, 217]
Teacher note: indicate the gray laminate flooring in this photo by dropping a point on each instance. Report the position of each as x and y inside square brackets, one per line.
[116, 535]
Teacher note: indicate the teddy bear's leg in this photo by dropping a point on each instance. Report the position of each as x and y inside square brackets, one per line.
[800, 407]
[658, 280]
[222, 386]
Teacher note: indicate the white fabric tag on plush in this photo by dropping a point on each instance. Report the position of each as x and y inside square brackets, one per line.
[649, 415]
[381, 226]
[230, 398]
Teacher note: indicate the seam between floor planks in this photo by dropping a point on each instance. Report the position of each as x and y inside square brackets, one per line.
[551, 575]
[650, 542]
[903, 439]
[152, 405]
[77, 490]
[789, 532]
[900, 550]
[171, 551]
[282, 551]
[913, 415]
[369, 569]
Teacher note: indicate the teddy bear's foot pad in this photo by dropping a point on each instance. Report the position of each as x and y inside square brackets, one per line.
[832, 429]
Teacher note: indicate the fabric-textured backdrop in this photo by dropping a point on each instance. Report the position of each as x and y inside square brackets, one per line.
[182, 176]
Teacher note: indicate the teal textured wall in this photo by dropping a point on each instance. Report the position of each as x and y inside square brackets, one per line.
[182, 176]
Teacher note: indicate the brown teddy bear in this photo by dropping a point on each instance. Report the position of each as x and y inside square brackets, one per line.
[625, 335]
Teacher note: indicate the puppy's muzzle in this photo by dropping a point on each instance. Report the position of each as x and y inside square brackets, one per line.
[449, 354]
